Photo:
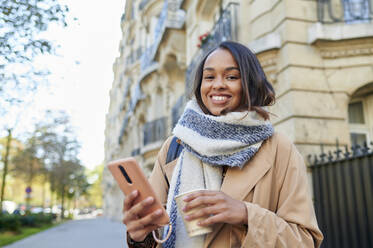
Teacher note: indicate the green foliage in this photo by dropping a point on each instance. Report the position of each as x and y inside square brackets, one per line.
[21, 24]
[36, 220]
[14, 223]
[50, 153]
[10, 222]
[22, 21]
[95, 190]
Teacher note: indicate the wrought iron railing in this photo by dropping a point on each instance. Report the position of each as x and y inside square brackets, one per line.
[147, 58]
[343, 196]
[135, 152]
[177, 110]
[348, 11]
[134, 56]
[125, 94]
[136, 96]
[224, 29]
[143, 3]
[155, 130]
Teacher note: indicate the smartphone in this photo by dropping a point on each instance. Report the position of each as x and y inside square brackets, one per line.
[129, 176]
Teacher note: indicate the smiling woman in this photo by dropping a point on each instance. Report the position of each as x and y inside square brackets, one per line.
[253, 180]
[221, 89]
[232, 69]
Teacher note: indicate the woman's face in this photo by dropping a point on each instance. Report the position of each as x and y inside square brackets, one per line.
[221, 89]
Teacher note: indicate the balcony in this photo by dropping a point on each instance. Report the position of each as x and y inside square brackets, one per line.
[136, 96]
[135, 152]
[134, 56]
[177, 110]
[224, 29]
[347, 11]
[143, 3]
[155, 130]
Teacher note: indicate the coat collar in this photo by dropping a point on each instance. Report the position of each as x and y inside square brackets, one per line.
[248, 177]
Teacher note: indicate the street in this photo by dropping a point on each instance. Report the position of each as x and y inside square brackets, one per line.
[84, 233]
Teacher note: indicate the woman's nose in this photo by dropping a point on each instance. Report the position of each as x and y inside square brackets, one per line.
[219, 83]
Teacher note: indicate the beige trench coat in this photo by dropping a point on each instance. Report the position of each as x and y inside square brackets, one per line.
[273, 184]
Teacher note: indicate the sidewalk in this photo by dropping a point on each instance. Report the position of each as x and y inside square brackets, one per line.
[86, 233]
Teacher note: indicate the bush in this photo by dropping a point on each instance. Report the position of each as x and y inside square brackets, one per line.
[10, 222]
[34, 220]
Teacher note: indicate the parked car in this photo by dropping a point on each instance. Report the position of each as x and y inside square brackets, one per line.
[9, 206]
[36, 210]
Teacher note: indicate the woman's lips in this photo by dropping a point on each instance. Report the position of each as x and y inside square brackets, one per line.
[219, 99]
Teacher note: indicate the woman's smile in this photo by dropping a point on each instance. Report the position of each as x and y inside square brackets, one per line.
[218, 99]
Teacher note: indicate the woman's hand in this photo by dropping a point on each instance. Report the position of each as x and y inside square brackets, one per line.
[220, 208]
[138, 228]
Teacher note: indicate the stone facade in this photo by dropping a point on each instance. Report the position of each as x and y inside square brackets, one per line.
[321, 67]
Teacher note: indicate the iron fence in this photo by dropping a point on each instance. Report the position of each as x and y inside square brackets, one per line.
[343, 196]
[348, 11]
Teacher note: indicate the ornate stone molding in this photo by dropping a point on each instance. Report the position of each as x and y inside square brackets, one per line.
[268, 61]
[346, 48]
[266, 43]
[338, 31]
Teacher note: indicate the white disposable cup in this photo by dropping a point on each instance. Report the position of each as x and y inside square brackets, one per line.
[192, 228]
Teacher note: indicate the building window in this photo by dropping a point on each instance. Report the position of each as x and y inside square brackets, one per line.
[347, 11]
[358, 138]
[356, 112]
[356, 11]
[360, 119]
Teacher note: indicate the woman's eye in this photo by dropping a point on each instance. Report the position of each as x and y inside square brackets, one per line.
[208, 77]
[232, 77]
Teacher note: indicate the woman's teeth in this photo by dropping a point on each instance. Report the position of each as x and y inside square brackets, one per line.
[219, 98]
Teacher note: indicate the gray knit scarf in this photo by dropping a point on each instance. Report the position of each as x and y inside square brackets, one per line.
[210, 143]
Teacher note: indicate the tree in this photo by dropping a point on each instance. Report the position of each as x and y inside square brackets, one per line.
[51, 149]
[95, 191]
[59, 153]
[8, 146]
[21, 25]
[5, 169]
[27, 163]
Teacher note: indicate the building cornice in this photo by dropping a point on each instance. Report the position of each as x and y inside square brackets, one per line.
[339, 31]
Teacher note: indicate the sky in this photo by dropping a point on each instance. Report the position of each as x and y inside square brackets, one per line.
[81, 75]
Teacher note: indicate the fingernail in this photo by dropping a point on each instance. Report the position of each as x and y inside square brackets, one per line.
[134, 193]
[158, 212]
[187, 217]
[149, 199]
[199, 223]
[186, 198]
[184, 209]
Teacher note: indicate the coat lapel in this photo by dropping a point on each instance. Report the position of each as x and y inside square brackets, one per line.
[239, 182]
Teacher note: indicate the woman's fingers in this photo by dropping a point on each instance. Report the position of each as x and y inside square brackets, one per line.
[203, 199]
[215, 207]
[204, 212]
[197, 194]
[219, 218]
[141, 206]
[141, 234]
[139, 229]
[135, 210]
[145, 221]
[128, 201]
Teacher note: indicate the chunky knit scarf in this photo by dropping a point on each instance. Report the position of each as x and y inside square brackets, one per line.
[210, 143]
